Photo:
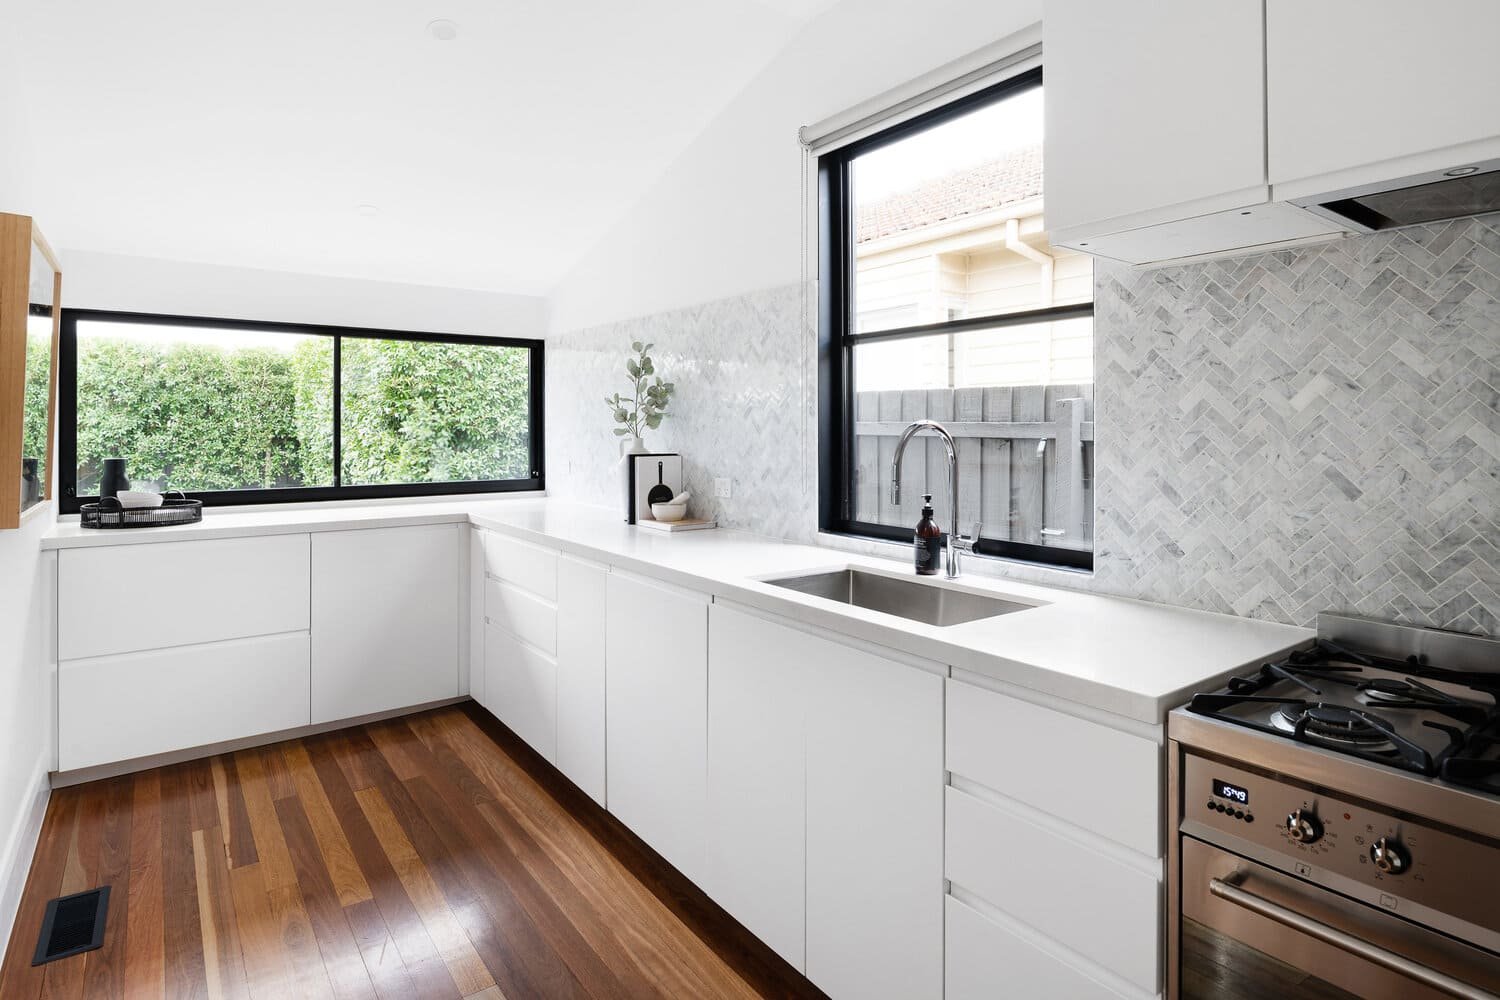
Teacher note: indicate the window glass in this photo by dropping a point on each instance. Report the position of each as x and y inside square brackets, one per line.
[203, 408]
[962, 311]
[417, 412]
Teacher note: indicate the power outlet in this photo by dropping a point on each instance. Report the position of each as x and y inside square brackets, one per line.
[721, 489]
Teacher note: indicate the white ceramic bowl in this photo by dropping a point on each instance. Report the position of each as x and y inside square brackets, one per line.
[138, 499]
[669, 511]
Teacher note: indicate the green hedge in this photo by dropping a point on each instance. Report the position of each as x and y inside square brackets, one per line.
[201, 418]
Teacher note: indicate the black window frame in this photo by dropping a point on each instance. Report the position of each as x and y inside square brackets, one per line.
[67, 427]
[837, 335]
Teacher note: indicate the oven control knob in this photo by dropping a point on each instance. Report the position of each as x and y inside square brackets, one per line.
[1303, 826]
[1388, 855]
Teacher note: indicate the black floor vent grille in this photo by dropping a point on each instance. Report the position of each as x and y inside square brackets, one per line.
[72, 925]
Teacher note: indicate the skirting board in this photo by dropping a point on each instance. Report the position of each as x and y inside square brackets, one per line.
[15, 864]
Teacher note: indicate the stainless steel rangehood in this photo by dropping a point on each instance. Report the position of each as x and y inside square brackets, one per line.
[1454, 192]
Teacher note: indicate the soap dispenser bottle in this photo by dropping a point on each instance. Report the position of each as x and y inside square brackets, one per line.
[928, 541]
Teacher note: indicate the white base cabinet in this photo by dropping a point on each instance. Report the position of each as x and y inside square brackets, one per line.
[385, 619]
[986, 960]
[581, 597]
[757, 824]
[657, 698]
[521, 682]
[113, 708]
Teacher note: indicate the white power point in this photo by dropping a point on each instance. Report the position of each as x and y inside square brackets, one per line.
[721, 489]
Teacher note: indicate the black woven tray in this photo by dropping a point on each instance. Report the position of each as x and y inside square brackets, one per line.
[108, 513]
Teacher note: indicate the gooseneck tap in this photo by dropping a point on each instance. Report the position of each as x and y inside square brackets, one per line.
[956, 542]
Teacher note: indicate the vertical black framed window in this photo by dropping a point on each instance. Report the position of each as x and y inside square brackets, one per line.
[243, 412]
[942, 298]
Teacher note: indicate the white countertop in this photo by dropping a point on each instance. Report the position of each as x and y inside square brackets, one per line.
[1119, 656]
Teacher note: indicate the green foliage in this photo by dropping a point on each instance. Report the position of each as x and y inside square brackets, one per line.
[647, 407]
[34, 408]
[202, 418]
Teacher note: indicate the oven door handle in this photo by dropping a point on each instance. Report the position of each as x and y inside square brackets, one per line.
[1231, 892]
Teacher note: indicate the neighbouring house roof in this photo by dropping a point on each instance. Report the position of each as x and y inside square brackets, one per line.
[1014, 178]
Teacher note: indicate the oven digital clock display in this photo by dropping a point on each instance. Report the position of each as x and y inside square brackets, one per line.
[1234, 793]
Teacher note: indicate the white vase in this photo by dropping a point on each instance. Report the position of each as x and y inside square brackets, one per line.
[628, 446]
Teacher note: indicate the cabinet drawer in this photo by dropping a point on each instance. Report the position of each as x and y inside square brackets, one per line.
[983, 960]
[1098, 778]
[530, 567]
[113, 708]
[150, 596]
[522, 614]
[521, 686]
[1091, 903]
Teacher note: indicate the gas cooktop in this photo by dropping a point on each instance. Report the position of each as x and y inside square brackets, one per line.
[1430, 705]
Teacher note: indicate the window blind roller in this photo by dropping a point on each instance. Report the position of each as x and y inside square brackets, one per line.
[1007, 57]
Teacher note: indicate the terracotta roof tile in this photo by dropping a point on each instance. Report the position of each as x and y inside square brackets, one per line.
[1014, 178]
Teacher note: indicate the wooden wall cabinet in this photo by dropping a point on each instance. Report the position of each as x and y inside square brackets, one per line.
[30, 313]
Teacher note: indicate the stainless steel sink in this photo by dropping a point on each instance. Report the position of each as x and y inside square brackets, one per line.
[919, 602]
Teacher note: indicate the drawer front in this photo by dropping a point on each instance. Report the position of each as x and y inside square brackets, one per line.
[1101, 779]
[522, 614]
[113, 708]
[983, 960]
[522, 690]
[1106, 911]
[123, 598]
[530, 567]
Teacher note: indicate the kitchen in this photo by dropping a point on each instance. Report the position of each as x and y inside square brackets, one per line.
[1086, 420]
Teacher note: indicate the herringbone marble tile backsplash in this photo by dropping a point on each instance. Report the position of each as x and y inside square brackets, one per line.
[1309, 430]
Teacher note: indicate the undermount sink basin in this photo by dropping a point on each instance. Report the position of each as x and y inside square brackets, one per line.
[920, 602]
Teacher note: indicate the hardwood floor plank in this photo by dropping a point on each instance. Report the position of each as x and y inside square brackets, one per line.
[145, 975]
[268, 968]
[18, 978]
[341, 953]
[182, 937]
[423, 963]
[486, 932]
[239, 839]
[464, 963]
[344, 872]
[658, 938]
[104, 969]
[430, 856]
[223, 961]
[589, 947]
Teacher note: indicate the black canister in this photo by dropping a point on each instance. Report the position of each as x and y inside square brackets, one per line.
[31, 483]
[113, 480]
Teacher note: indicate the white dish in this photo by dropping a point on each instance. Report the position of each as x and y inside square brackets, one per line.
[138, 499]
[669, 511]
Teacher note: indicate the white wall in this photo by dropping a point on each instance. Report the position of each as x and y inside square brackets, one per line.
[725, 217]
[147, 284]
[15, 134]
[26, 710]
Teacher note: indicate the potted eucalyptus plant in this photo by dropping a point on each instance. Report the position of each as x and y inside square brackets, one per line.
[644, 409]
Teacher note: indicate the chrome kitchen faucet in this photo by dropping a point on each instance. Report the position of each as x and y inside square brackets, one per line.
[956, 543]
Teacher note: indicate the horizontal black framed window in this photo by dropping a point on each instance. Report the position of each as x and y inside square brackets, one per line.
[940, 297]
[244, 412]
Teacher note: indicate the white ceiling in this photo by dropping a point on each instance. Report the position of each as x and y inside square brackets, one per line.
[249, 134]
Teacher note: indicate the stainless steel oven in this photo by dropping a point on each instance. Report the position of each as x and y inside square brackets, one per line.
[1282, 887]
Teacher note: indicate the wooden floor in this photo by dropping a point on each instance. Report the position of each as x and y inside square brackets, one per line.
[429, 856]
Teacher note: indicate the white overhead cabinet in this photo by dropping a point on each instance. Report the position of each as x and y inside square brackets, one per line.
[1155, 143]
[657, 698]
[1363, 91]
[385, 619]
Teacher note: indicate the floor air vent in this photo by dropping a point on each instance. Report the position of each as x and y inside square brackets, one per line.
[72, 924]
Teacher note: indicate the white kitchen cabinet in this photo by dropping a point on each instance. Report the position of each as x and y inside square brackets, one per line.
[522, 685]
[986, 960]
[581, 602]
[119, 707]
[874, 825]
[531, 567]
[522, 613]
[1155, 143]
[476, 616]
[1374, 90]
[385, 619]
[121, 598]
[757, 696]
[657, 702]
